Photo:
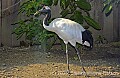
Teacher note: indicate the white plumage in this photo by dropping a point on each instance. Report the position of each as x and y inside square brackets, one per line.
[67, 30]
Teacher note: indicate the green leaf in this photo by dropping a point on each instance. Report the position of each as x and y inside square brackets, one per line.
[38, 0]
[19, 36]
[67, 3]
[84, 5]
[72, 7]
[62, 4]
[77, 17]
[104, 7]
[92, 23]
[47, 2]
[64, 13]
[108, 9]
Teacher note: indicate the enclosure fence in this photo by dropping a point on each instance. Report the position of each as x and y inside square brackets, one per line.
[9, 14]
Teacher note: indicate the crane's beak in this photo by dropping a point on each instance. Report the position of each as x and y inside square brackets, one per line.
[43, 11]
[36, 13]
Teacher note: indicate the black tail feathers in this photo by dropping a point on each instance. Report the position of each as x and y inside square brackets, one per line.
[87, 36]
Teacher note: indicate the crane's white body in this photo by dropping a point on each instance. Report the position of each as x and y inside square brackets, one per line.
[67, 30]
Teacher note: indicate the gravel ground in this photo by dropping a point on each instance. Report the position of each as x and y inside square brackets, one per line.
[101, 62]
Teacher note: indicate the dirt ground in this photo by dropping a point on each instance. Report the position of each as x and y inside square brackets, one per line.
[101, 62]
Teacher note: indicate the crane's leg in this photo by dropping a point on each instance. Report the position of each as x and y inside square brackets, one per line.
[83, 69]
[68, 68]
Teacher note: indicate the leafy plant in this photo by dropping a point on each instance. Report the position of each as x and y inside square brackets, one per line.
[78, 10]
[101, 40]
[31, 27]
[108, 6]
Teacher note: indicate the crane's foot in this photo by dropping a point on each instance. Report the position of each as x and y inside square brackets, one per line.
[84, 72]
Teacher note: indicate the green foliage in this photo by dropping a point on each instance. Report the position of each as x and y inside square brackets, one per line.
[78, 11]
[116, 44]
[108, 6]
[101, 39]
[83, 4]
[29, 7]
[92, 23]
[31, 27]
[77, 17]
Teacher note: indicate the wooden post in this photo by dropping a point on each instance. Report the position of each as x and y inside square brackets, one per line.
[119, 20]
[9, 16]
[96, 13]
[115, 24]
[0, 22]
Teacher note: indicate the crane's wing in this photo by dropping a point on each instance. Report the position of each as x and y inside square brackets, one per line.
[67, 30]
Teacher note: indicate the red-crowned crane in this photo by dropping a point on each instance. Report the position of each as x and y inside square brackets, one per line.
[69, 31]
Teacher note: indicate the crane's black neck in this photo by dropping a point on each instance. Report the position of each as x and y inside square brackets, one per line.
[48, 16]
